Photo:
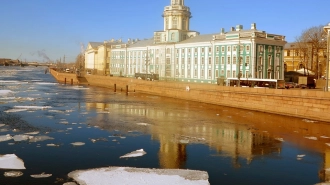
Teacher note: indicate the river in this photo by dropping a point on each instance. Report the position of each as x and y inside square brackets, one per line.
[235, 146]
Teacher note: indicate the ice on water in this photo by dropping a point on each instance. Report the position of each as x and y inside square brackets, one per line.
[11, 161]
[136, 153]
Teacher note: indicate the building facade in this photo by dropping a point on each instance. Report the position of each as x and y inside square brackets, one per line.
[303, 56]
[180, 54]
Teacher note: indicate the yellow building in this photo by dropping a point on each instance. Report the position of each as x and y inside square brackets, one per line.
[302, 55]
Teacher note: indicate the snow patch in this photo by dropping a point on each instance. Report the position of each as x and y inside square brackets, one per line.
[136, 153]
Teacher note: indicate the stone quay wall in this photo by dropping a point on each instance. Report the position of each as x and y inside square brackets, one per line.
[304, 103]
[67, 78]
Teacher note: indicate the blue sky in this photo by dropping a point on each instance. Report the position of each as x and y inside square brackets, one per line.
[41, 29]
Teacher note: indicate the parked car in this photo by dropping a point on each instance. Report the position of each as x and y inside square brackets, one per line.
[289, 85]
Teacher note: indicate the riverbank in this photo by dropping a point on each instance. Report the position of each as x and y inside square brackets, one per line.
[303, 103]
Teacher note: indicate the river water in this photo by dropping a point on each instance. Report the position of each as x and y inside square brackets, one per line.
[234, 146]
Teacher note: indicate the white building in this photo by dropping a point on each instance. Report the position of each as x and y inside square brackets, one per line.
[177, 53]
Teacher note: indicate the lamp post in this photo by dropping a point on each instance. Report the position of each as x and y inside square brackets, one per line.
[327, 30]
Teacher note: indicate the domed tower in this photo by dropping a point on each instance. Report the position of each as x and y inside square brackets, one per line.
[176, 23]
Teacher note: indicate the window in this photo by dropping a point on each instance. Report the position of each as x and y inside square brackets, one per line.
[222, 72]
[234, 48]
[228, 74]
[182, 50]
[234, 60]
[270, 49]
[189, 51]
[260, 61]
[288, 53]
[210, 49]
[228, 48]
[210, 61]
[157, 60]
[209, 74]
[223, 49]
[217, 48]
[183, 24]
[168, 51]
[202, 60]
[182, 61]
[247, 60]
[202, 73]
[195, 73]
[222, 60]
[174, 23]
[177, 51]
[228, 60]
[203, 50]
[195, 60]
[247, 48]
[241, 48]
[217, 60]
[247, 74]
[176, 61]
[234, 74]
[182, 72]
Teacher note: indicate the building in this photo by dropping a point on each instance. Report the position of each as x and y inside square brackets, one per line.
[180, 54]
[298, 56]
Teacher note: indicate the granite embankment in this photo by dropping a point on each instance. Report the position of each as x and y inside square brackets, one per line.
[305, 103]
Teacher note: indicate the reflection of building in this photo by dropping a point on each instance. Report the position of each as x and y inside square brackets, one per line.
[168, 127]
[303, 55]
[178, 53]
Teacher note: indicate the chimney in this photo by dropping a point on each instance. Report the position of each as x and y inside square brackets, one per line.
[222, 31]
[239, 27]
[253, 26]
[232, 29]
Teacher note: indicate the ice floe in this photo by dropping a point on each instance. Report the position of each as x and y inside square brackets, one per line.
[141, 176]
[53, 145]
[311, 138]
[32, 133]
[1, 125]
[136, 153]
[39, 138]
[14, 110]
[78, 144]
[11, 161]
[22, 137]
[143, 124]
[5, 138]
[42, 175]
[328, 144]
[309, 121]
[13, 174]
[32, 107]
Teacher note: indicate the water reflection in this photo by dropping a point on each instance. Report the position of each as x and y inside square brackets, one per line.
[231, 132]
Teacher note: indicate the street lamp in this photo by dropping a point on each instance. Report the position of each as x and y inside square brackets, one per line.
[327, 30]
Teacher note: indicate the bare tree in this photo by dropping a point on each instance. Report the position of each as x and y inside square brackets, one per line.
[80, 62]
[313, 37]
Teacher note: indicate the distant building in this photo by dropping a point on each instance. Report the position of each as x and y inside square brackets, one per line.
[178, 53]
[4, 61]
[298, 56]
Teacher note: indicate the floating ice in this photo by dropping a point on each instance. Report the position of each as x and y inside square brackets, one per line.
[311, 138]
[328, 144]
[1, 125]
[136, 153]
[51, 144]
[279, 139]
[39, 138]
[32, 107]
[184, 141]
[301, 155]
[45, 83]
[11, 161]
[5, 138]
[309, 121]
[14, 110]
[70, 183]
[325, 137]
[32, 133]
[42, 175]
[143, 124]
[127, 175]
[78, 143]
[13, 174]
[21, 137]
[5, 92]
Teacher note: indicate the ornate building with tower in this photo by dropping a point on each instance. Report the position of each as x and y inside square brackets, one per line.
[180, 54]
